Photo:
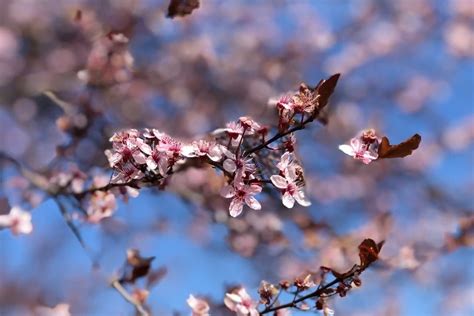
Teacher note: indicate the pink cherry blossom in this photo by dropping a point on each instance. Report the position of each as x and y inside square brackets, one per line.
[203, 148]
[127, 147]
[198, 306]
[101, 205]
[172, 147]
[291, 189]
[18, 220]
[241, 303]
[126, 172]
[286, 102]
[122, 136]
[74, 179]
[234, 130]
[157, 159]
[249, 125]
[359, 151]
[237, 164]
[285, 161]
[241, 194]
[153, 134]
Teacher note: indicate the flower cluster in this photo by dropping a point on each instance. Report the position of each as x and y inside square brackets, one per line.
[109, 61]
[240, 302]
[304, 102]
[73, 179]
[18, 220]
[136, 155]
[363, 147]
[198, 306]
[151, 156]
[290, 181]
[101, 205]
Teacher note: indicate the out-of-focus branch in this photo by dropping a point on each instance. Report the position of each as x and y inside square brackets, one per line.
[65, 106]
[35, 178]
[74, 229]
[123, 292]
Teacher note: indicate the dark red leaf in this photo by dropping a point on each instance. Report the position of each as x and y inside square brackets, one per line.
[398, 151]
[156, 276]
[325, 89]
[369, 251]
[135, 267]
[181, 7]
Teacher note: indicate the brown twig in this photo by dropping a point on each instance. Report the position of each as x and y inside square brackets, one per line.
[278, 135]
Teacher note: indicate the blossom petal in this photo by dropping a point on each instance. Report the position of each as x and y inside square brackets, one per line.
[301, 198]
[215, 154]
[5, 221]
[291, 174]
[227, 191]
[151, 163]
[229, 165]
[145, 148]
[234, 297]
[254, 188]
[279, 181]
[348, 150]
[189, 151]
[253, 203]
[288, 200]
[139, 157]
[114, 159]
[235, 207]
[285, 161]
[371, 155]
[227, 153]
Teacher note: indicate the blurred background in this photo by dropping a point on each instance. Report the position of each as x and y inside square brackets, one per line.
[406, 67]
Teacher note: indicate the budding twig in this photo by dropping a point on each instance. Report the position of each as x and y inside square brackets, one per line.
[354, 271]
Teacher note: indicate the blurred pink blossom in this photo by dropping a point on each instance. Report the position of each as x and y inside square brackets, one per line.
[359, 151]
[240, 302]
[199, 307]
[18, 220]
[101, 205]
[241, 194]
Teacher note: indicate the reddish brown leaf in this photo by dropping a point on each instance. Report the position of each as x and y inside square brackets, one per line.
[155, 276]
[325, 89]
[181, 7]
[369, 251]
[398, 151]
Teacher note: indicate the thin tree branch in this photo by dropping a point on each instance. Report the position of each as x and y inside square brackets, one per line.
[123, 292]
[278, 135]
[355, 270]
[75, 230]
